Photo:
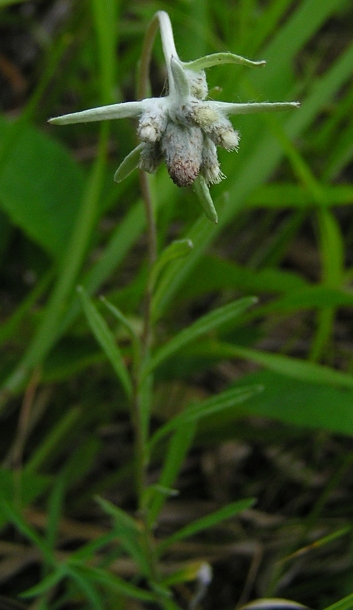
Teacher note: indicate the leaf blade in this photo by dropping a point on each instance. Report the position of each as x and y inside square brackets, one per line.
[226, 512]
[210, 321]
[106, 340]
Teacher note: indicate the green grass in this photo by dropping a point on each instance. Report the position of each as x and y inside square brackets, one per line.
[249, 399]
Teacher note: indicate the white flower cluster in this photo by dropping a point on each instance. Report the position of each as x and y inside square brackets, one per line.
[182, 128]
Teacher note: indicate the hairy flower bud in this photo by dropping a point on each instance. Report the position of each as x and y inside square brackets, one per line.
[210, 168]
[215, 124]
[223, 134]
[152, 124]
[202, 115]
[197, 83]
[182, 150]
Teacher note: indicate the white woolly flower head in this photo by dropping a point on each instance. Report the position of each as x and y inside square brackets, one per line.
[183, 128]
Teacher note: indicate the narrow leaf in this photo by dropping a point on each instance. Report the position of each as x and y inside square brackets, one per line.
[203, 194]
[106, 340]
[27, 530]
[299, 403]
[346, 603]
[177, 450]
[217, 59]
[225, 400]
[231, 510]
[177, 249]
[119, 515]
[101, 113]
[290, 367]
[86, 585]
[128, 532]
[89, 550]
[129, 164]
[115, 583]
[46, 584]
[130, 329]
[209, 322]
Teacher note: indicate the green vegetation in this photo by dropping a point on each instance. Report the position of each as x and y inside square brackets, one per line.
[183, 400]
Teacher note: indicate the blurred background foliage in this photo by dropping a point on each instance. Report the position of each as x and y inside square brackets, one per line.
[285, 234]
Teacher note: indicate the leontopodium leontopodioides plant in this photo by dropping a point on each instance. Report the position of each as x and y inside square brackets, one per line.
[183, 128]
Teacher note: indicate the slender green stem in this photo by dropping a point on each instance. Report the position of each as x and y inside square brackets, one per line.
[141, 397]
[145, 60]
[152, 256]
[142, 92]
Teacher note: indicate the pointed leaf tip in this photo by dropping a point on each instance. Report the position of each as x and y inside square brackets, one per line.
[203, 194]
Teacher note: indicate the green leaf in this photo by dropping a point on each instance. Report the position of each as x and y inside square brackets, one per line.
[177, 249]
[46, 584]
[128, 532]
[225, 400]
[204, 196]
[15, 517]
[122, 240]
[301, 403]
[52, 442]
[209, 322]
[55, 509]
[284, 195]
[105, 17]
[129, 327]
[291, 367]
[119, 515]
[129, 164]
[214, 273]
[346, 603]
[109, 581]
[332, 249]
[27, 486]
[85, 583]
[217, 59]
[106, 340]
[41, 187]
[88, 551]
[231, 510]
[178, 447]
[317, 296]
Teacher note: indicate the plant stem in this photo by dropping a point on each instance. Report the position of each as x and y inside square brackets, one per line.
[141, 400]
[142, 92]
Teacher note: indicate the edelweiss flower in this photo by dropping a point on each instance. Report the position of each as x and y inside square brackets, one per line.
[182, 128]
